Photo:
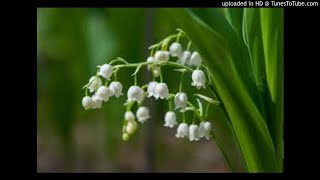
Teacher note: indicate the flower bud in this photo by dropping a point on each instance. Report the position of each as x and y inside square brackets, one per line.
[150, 59]
[125, 136]
[156, 71]
[131, 127]
[129, 116]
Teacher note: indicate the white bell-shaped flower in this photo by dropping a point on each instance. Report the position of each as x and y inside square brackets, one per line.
[184, 57]
[175, 49]
[104, 93]
[94, 83]
[150, 59]
[97, 101]
[182, 131]
[129, 116]
[116, 88]
[195, 59]
[87, 102]
[162, 56]
[193, 133]
[106, 71]
[151, 88]
[142, 114]
[207, 127]
[198, 78]
[180, 100]
[131, 127]
[156, 71]
[201, 130]
[170, 119]
[135, 93]
[161, 91]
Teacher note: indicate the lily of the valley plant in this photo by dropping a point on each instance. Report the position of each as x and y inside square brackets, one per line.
[235, 53]
[168, 52]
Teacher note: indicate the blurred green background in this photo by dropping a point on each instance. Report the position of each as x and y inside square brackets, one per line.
[70, 44]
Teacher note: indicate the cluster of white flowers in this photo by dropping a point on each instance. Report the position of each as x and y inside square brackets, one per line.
[194, 132]
[156, 89]
[101, 92]
[185, 57]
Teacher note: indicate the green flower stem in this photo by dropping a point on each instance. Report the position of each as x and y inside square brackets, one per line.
[194, 117]
[181, 82]
[86, 91]
[184, 117]
[135, 80]
[119, 60]
[170, 104]
[161, 78]
[189, 45]
[152, 52]
[195, 110]
[167, 63]
[129, 105]
[178, 37]
[115, 75]
[207, 110]
[144, 86]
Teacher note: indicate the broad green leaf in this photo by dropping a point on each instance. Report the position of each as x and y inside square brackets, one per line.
[234, 17]
[249, 126]
[252, 36]
[272, 35]
[216, 21]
